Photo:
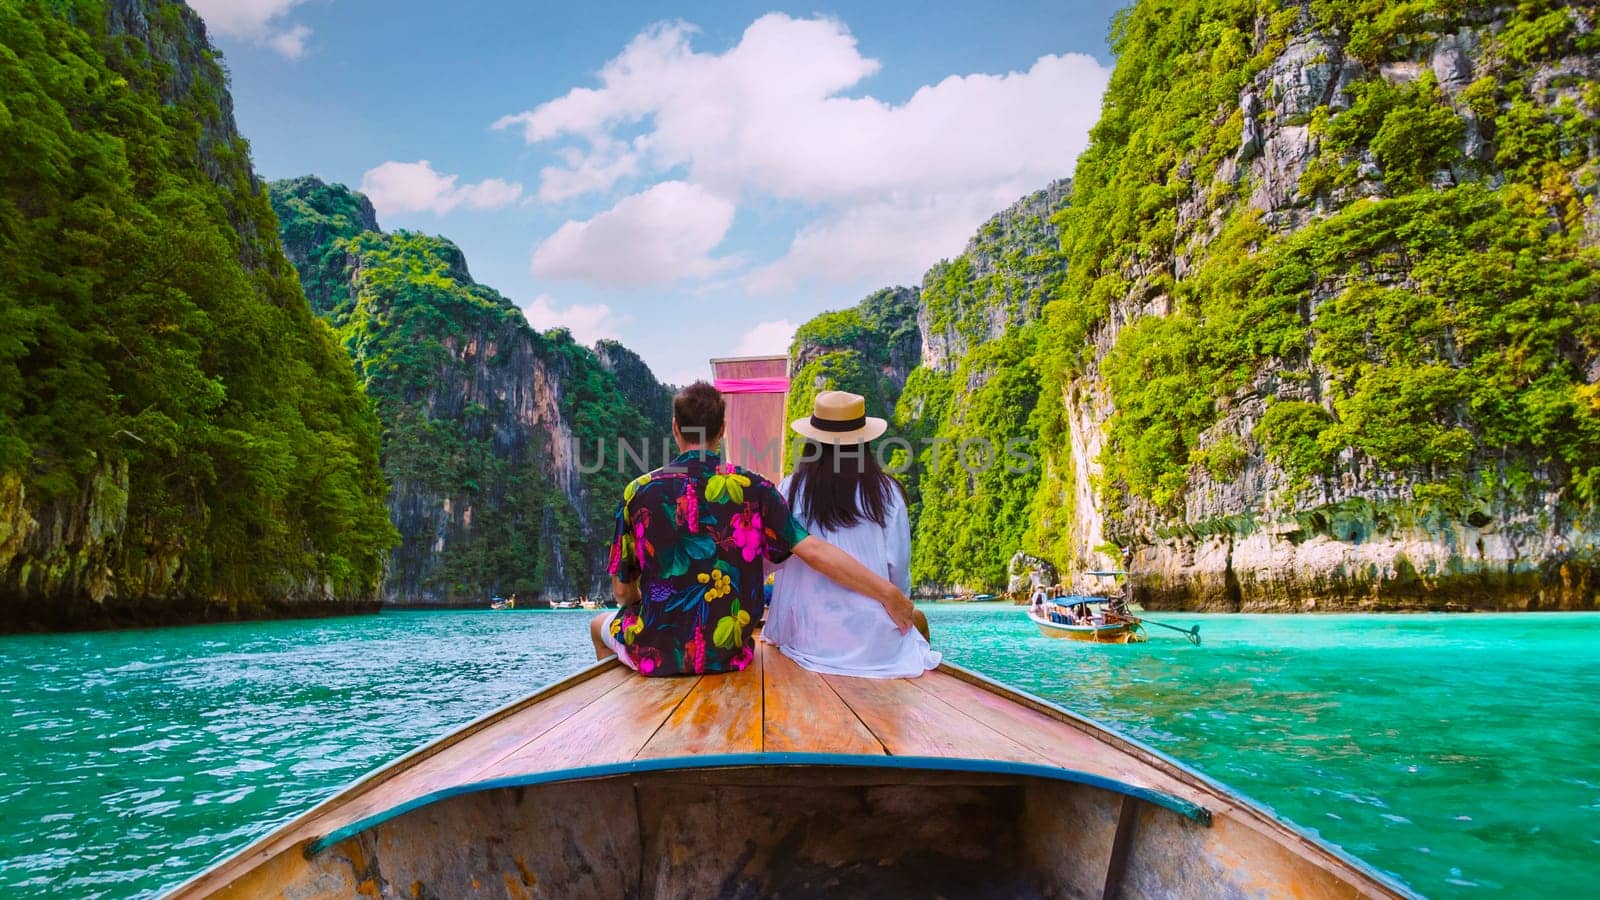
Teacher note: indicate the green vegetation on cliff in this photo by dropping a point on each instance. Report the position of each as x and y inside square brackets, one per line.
[952, 367]
[977, 478]
[179, 435]
[1424, 297]
[485, 419]
[1317, 254]
[863, 350]
[979, 456]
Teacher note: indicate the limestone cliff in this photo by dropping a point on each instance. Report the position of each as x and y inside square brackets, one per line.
[869, 349]
[638, 384]
[1000, 282]
[500, 442]
[1331, 340]
[1321, 331]
[950, 364]
[180, 438]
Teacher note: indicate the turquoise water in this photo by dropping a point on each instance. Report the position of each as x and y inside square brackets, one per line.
[1460, 753]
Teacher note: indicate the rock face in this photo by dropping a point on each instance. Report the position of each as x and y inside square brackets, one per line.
[1322, 331]
[870, 350]
[501, 443]
[180, 439]
[638, 385]
[1339, 350]
[982, 294]
[949, 365]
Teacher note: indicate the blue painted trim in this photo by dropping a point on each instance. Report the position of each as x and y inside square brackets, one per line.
[1360, 865]
[766, 760]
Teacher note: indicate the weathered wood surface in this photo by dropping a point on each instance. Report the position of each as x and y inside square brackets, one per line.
[610, 715]
[911, 722]
[720, 714]
[1059, 746]
[612, 729]
[804, 714]
[774, 706]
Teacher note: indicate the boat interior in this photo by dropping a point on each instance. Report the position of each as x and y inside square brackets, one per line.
[777, 781]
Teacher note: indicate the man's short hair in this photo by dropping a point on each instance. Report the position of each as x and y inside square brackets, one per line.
[699, 411]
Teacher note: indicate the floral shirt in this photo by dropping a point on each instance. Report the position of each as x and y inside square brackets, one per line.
[695, 534]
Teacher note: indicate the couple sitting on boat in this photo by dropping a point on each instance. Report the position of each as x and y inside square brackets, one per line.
[696, 538]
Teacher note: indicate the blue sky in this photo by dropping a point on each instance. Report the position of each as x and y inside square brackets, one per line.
[693, 180]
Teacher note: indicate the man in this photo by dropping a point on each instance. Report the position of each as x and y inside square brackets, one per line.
[687, 559]
[1040, 597]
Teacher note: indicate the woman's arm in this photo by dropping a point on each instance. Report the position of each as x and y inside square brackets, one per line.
[846, 571]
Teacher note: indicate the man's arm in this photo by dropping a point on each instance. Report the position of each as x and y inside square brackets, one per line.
[846, 571]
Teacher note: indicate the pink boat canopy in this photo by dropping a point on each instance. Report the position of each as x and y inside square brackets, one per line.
[752, 385]
[757, 389]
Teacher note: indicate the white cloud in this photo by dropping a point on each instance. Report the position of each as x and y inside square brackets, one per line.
[291, 43]
[398, 187]
[588, 323]
[656, 237]
[257, 21]
[584, 173]
[766, 339]
[767, 118]
[892, 241]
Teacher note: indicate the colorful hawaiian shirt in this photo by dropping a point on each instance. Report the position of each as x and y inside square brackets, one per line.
[695, 534]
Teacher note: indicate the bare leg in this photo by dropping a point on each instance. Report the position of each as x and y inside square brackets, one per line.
[922, 624]
[596, 628]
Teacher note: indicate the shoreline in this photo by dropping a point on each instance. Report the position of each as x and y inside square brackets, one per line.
[80, 620]
[168, 620]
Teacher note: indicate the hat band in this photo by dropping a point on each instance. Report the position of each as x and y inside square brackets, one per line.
[838, 424]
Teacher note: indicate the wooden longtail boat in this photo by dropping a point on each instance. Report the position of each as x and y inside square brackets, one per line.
[1107, 626]
[777, 780]
[1128, 632]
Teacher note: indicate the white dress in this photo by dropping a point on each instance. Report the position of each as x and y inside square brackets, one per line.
[830, 629]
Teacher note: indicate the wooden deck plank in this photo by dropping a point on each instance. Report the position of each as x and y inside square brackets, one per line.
[610, 731]
[721, 714]
[465, 761]
[805, 715]
[1064, 745]
[909, 721]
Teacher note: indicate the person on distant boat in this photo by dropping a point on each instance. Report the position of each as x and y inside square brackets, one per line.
[839, 492]
[1040, 598]
[687, 559]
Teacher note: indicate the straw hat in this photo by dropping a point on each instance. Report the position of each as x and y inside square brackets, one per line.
[839, 417]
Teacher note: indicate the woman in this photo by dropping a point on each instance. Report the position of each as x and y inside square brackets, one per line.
[840, 494]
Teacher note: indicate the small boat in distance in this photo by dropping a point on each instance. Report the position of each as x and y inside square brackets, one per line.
[1094, 619]
[503, 603]
[1099, 620]
[564, 604]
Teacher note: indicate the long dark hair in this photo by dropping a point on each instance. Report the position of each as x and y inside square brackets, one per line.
[839, 485]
